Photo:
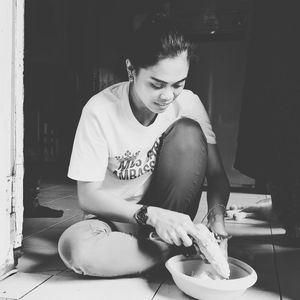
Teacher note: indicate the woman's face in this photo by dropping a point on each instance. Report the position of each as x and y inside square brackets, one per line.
[155, 88]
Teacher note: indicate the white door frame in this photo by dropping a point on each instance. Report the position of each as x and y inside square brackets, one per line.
[11, 130]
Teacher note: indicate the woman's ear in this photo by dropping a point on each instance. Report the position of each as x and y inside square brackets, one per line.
[130, 70]
[129, 65]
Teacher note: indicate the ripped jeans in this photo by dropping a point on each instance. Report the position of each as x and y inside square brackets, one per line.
[108, 249]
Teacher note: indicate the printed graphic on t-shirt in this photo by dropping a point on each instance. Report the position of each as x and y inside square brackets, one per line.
[133, 165]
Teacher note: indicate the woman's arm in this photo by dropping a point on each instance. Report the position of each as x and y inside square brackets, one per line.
[173, 227]
[92, 199]
[218, 190]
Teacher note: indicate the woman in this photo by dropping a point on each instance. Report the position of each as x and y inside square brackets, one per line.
[140, 156]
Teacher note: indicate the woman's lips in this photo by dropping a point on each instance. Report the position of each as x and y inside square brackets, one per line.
[163, 104]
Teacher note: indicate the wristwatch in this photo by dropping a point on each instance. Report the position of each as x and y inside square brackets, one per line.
[141, 215]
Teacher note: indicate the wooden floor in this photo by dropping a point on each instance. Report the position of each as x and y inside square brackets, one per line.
[41, 274]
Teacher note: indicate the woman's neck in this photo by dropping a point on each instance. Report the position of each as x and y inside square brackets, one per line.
[145, 116]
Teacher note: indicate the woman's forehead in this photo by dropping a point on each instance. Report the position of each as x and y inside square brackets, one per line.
[168, 69]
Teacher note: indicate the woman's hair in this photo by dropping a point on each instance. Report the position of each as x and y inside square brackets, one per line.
[158, 37]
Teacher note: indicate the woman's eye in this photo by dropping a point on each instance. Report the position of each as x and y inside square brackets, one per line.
[156, 86]
[177, 86]
[159, 86]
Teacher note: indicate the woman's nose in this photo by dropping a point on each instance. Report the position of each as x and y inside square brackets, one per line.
[167, 94]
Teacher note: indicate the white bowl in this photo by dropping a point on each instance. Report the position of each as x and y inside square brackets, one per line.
[185, 271]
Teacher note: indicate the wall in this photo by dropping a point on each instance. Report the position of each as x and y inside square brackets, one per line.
[11, 130]
[218, 78]
[6, 154]
[89, 41]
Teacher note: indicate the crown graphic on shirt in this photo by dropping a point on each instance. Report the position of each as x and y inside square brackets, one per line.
[128, 156]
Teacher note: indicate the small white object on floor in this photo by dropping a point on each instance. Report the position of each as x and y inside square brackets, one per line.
[230, 213]
[237, 216]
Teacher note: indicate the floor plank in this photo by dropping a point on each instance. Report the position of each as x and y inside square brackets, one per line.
[288, 266]
[70, 206]
[40, 250]
[252, 243]
[76, 287]
[49, 195]
[20, 284]
[168, 290]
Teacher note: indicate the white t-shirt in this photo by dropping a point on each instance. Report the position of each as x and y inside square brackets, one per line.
[112, 146]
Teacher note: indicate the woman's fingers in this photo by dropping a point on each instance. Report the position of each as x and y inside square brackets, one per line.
[175, 238]
[172, 227]
[183, 234]
[184, 237]
[178, 238]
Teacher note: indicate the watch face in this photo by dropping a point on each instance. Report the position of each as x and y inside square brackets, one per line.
[141, 216]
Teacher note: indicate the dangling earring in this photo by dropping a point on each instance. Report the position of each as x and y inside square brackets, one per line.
[130, 76]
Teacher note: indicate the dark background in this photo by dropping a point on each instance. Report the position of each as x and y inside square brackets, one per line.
[75, 48]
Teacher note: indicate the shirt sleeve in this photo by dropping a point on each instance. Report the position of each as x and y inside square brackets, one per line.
[89, 157]
[192, 107]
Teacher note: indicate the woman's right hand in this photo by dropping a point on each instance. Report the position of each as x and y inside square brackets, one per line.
[172, 227]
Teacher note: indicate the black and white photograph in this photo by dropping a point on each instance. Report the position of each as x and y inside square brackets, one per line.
[150, 150]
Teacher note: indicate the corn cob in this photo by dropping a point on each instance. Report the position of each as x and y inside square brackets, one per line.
[208, 245]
